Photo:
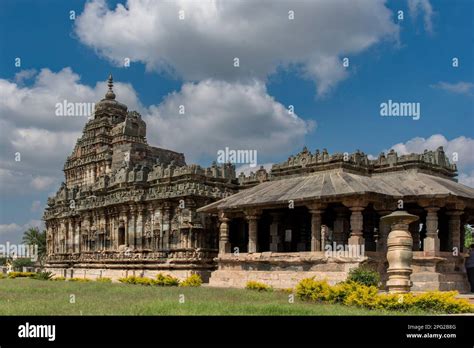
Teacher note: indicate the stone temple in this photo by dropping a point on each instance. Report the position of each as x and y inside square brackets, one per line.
[128, 208]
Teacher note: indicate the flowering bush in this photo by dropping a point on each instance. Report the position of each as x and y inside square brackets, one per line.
[351, 293]
[166, 280]
[193, 280]
[14, 275]
[253, 285]
[79, 280]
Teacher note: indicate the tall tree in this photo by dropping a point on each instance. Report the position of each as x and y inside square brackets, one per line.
[33, 236]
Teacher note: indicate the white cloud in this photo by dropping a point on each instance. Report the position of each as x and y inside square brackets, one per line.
[23, 75]
[35, 206]
[467, 178]
[220, 114]
[424, 6]
[49, 88]
[30, 128]
[461, 147]
[217, 114]
[214, 32]
[42, 182]
[247, 169]
[458, 87]
[13, 232]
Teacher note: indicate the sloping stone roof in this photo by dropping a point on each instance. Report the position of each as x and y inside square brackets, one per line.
[340, 183]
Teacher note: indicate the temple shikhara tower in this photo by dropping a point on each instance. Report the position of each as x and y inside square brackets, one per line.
[126, 205]
[128, 208]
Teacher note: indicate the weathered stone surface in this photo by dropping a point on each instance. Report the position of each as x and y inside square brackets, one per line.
[126, 206]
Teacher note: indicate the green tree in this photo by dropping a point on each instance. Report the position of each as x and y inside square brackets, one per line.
[33, 236]
[468, 238]
[18, 264]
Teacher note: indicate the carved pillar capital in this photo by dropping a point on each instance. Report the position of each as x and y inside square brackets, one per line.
[316, 206]
[355, 204]
[253, 214]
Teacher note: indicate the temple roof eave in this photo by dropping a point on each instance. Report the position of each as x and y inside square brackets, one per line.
[331, 188]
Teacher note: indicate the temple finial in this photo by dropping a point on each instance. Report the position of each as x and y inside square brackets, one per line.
[110, 93]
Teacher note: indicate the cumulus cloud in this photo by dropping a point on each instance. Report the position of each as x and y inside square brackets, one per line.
[23, 75]
[13, 232]
[457, 88]
[220, 114]
[35, 206]
[34, 142]
[424, 8]
[461, 148]
[204, 44]
[247, 169]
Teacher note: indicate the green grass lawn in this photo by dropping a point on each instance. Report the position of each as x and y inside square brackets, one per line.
[24, 296]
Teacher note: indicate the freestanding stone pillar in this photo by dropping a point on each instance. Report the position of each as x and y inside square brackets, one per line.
[400, 253]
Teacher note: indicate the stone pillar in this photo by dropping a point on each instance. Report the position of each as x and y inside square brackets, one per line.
[131, 227]
[123, 216]
[77, 236]
[252, 218]
[151, 214]
[340, 226]
[86, 225]
[384, 230]
[139, 227]
[400, 253]
[454, 230]
[159, 243]
[166, 226]
[224, 244]
[317, 244]
[415, 235]
[72, 234]
[275, 238]
[101, 230]
[431, 241]
[357, 221]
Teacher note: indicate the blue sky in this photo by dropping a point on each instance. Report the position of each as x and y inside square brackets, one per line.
[405, 61]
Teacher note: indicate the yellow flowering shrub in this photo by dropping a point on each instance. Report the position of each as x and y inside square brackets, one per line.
[166, 280]
[58, 279]
[14, 275]
[193, 280]
[354, 294]
[362, 296]
[314, 290]
[253, 285]
[80, 280]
